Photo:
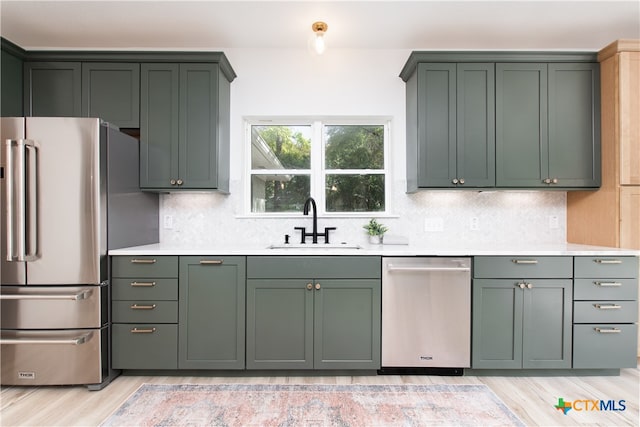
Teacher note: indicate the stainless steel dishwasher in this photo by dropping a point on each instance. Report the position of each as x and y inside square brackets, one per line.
[426, 314]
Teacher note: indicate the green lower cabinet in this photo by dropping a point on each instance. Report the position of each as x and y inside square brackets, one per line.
[144, 346]
[212, 313]
[313, 324]
[521, 324]
[347, 324]
[279, 324]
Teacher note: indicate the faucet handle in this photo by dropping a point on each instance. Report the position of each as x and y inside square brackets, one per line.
[326, 233]
[303, 232]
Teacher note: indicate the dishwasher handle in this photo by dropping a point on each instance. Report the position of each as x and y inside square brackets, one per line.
[391, 267]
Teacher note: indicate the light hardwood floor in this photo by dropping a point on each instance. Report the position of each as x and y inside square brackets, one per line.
[531, 398]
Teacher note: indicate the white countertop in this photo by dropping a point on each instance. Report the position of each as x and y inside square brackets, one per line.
[518, 249]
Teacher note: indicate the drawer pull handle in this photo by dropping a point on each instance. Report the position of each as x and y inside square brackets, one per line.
[608, 284]
[607, 306]
[524, 261]
[607, 261]
[211, 261]
[143, 330]
[143, 261]
[142, 307]
[143, 284]
[608, 330]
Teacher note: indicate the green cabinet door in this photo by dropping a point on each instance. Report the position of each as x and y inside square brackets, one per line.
[159, 126]
[475, 125]
[547, 324]
[347, 324]
[436, 143]
[198, 153]
[111, 91]
[574, 124]
[522, 146]
[212, 313]
[455, 122]
[52, 89]
[497, 324]
[521, 323]
[279, 324]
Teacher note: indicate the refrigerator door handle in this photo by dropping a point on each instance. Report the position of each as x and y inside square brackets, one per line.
[22, 199]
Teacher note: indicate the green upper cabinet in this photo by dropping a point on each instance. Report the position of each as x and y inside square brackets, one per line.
[184, 127]
[111, 91]
[502, 119]
[11, 79]
[547, 125]
[52, 89]
[450, 126]
[212, 313]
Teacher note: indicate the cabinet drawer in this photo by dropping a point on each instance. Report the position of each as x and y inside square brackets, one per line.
[493, 267]
[144, 266]
[143, 288]
[145, 311]
[145, 346]
[314, 267]
[605, 346]
[605, 289]
[622, 266]
[605, 311]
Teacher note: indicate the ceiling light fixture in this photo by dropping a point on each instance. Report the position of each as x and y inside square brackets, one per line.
[319, 44]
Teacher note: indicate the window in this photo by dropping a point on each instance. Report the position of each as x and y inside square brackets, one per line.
[341, 164]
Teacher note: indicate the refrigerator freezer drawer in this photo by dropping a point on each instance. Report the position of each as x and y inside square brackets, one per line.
[53, 307]
[52, 357]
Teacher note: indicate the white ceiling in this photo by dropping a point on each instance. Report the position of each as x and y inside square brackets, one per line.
[426, 24]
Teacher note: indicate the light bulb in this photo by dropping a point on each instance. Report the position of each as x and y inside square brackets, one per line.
[318, 43]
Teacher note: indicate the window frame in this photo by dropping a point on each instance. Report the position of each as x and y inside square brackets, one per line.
[317, 170]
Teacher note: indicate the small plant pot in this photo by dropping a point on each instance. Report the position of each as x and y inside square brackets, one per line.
[375, 240]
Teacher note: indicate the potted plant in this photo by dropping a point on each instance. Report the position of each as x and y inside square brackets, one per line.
[375, 230]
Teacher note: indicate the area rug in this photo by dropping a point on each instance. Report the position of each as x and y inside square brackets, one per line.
[312, 405]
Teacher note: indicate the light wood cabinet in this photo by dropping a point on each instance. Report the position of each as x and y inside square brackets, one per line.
[611, 215]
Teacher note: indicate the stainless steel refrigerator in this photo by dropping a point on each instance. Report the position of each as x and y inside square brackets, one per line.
[69, 194]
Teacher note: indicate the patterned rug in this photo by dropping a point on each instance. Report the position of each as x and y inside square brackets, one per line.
[312, 405]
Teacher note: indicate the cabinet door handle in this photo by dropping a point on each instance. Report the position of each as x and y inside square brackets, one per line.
[461, 181]
[554, 181]
[179, 182]
[143, 284]
[607, 261]
[143, 330]
[318, 286]
[608, 284]
[607, 330]
[607, 306]
[211, 261]
[529, 286]
[547, 180]
[454, 181]
[309, 286]
[524, 261]
[143, 261]
[142, 307]
[521, 285]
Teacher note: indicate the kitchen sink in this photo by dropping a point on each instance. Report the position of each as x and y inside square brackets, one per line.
[342, 245]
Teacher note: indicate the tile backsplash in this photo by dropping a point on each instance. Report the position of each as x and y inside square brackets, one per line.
[492, 217]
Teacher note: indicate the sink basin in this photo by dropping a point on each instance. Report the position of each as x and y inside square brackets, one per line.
[343, 245]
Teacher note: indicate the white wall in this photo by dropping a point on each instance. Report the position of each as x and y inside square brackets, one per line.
[349, 83]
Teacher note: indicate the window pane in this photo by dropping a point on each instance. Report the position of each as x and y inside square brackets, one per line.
[355, 193]
[280, 147]
[279, 193]
[354, 147]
